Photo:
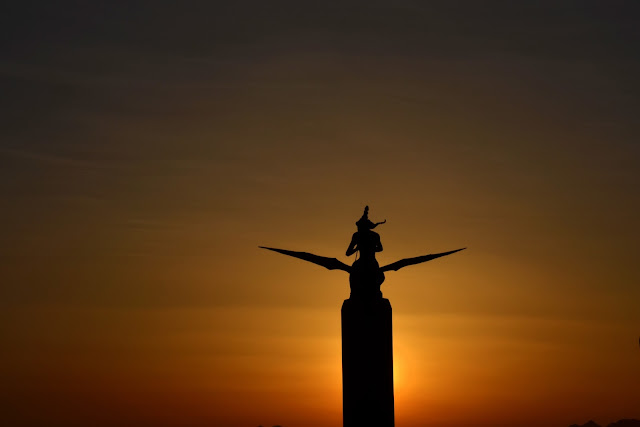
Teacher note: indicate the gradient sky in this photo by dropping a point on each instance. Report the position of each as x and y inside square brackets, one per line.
[148, 147]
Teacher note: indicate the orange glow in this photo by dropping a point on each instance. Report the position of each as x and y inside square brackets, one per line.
[134, 292]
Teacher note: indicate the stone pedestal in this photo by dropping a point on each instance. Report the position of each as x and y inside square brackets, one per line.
[367, 363]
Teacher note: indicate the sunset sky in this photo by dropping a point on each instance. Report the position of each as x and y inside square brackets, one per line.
[148, 147]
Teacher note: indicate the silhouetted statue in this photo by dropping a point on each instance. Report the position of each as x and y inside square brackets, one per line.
[367, 343]
[366, 275]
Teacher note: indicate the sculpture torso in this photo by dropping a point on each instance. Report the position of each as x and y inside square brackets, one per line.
[366, 277]
[367, 242]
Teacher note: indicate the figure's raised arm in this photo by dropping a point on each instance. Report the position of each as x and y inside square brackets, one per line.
[352, 246]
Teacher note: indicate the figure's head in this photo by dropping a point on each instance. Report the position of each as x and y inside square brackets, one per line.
[364, 223]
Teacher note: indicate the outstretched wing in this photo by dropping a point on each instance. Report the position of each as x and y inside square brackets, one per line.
[417, 260]
[328, 263]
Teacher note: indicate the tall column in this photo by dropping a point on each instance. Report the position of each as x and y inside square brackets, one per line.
[367, 363]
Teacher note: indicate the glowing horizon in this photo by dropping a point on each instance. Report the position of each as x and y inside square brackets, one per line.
[147, 151]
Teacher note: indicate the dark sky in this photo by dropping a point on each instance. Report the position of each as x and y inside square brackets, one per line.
[105, 57]
[55, 53]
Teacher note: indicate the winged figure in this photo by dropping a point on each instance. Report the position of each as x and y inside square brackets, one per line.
[365, 275]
